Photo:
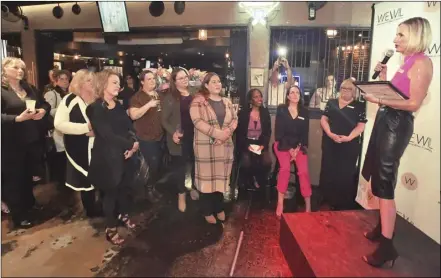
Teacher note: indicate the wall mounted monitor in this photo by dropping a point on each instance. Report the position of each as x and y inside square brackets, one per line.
[113, 16]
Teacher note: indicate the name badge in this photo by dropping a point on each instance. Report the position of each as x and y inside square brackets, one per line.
[352, 107]
[301, 118]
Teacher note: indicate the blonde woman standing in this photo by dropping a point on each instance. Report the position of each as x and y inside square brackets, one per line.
[73, 126]
[215, 120]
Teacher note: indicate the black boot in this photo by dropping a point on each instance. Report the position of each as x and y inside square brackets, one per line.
[384, 254]
[150, 195]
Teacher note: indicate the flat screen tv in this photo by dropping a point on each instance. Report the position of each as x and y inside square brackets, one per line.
[113, 16]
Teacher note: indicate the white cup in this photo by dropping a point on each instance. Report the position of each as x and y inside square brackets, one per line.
[30, 104]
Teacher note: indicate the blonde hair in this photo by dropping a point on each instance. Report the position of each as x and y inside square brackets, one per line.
[11, 61]
[349, 82]
[102, 79]
[420, 34]
[79, 79]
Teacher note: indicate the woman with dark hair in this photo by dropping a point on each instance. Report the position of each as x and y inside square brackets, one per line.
[292, 128]
[111, 169]
[146, 114]
[393, 129]
[214, 120]
[177, 123]
[19, 139]
[127, 91]
[252, 137]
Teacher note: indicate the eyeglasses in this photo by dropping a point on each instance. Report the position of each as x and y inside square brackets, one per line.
[182, 78]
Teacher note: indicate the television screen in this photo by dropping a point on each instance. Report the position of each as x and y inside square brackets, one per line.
[113, 16]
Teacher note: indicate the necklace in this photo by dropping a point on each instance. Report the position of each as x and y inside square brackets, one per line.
[19, 92]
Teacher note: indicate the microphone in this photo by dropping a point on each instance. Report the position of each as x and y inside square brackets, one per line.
[386, 58]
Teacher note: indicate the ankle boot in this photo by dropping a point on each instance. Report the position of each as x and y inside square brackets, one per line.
[375, 234]
[384, 254]
[150, 195]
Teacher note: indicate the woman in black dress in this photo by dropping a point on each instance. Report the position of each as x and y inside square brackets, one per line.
[19, 139]
[110, 168]
[343, 121]
[254, 128]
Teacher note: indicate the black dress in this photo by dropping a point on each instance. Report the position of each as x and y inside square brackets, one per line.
[338, 176]
[114, 134]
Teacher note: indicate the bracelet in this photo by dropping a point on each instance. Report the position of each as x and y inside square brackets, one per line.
[379, 101]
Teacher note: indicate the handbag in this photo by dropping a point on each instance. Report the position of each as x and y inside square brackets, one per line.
[141, 169]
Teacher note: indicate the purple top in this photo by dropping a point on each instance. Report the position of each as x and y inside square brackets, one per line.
[400, 79]
[254, 129]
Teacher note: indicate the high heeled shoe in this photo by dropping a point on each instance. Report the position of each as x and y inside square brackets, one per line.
[126, 221]
[385, 254]
[113, 237]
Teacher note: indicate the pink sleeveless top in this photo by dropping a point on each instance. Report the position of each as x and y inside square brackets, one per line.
[400, 79]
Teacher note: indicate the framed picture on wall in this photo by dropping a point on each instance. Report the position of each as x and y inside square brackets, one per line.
[57, 65]
[257, 77]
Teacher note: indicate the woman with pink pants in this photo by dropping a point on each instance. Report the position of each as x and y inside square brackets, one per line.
[292, 127]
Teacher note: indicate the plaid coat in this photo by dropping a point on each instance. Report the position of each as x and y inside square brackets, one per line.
[213, 163]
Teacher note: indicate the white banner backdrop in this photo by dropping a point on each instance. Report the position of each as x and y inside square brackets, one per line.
[417, 193]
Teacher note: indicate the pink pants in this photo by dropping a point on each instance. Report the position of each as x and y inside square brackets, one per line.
[301, 162]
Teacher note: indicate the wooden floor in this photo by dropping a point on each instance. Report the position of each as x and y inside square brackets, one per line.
[332, 244]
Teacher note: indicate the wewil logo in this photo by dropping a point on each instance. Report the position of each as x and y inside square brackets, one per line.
[421, 141]
[434, 50]
[389, 16]
[432, 4]
[409, 181]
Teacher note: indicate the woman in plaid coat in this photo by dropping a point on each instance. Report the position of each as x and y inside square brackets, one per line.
[215, 121]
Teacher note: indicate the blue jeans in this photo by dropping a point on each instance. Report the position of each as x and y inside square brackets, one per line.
[152, 152]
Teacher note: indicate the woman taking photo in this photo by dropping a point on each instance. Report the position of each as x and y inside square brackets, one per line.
[177, 123]
[145, 111]
[343, 121]
[291, 135]
[393, 129]
[110, 168]
[76, 133]
[215, 120]
[254, 128]
[20, 138]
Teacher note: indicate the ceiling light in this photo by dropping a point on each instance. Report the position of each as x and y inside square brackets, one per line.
[121, 62]
[360, 35]
[258, 10]
[227, 55]
[156, 8]
[120, 53]
[57, 12]
[76, 57]
[76, 9]
[179, 7]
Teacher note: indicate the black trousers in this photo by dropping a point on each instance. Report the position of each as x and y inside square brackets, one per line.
[183, 167]
[117, 200]
[17, 185]
[152, 152]
[257, 166]
[57, 166]
[211, 203]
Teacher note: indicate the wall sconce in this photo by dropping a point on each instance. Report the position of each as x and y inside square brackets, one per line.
[331, 33]
[202, 35]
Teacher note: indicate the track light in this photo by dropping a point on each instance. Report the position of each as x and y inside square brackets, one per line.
[156, 8]
[311, 11]
[179, 7]
[76, 9]
[58, 12]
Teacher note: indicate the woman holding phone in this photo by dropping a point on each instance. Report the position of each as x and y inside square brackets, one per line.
[393, 129]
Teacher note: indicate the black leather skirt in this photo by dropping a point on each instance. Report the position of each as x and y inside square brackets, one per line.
[390, 136]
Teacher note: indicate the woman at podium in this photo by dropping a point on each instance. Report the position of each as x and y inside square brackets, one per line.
[393, 130]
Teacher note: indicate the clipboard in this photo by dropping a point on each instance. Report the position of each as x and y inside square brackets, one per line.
[381, 89]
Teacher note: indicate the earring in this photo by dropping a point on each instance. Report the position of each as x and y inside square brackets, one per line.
[251, 106]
